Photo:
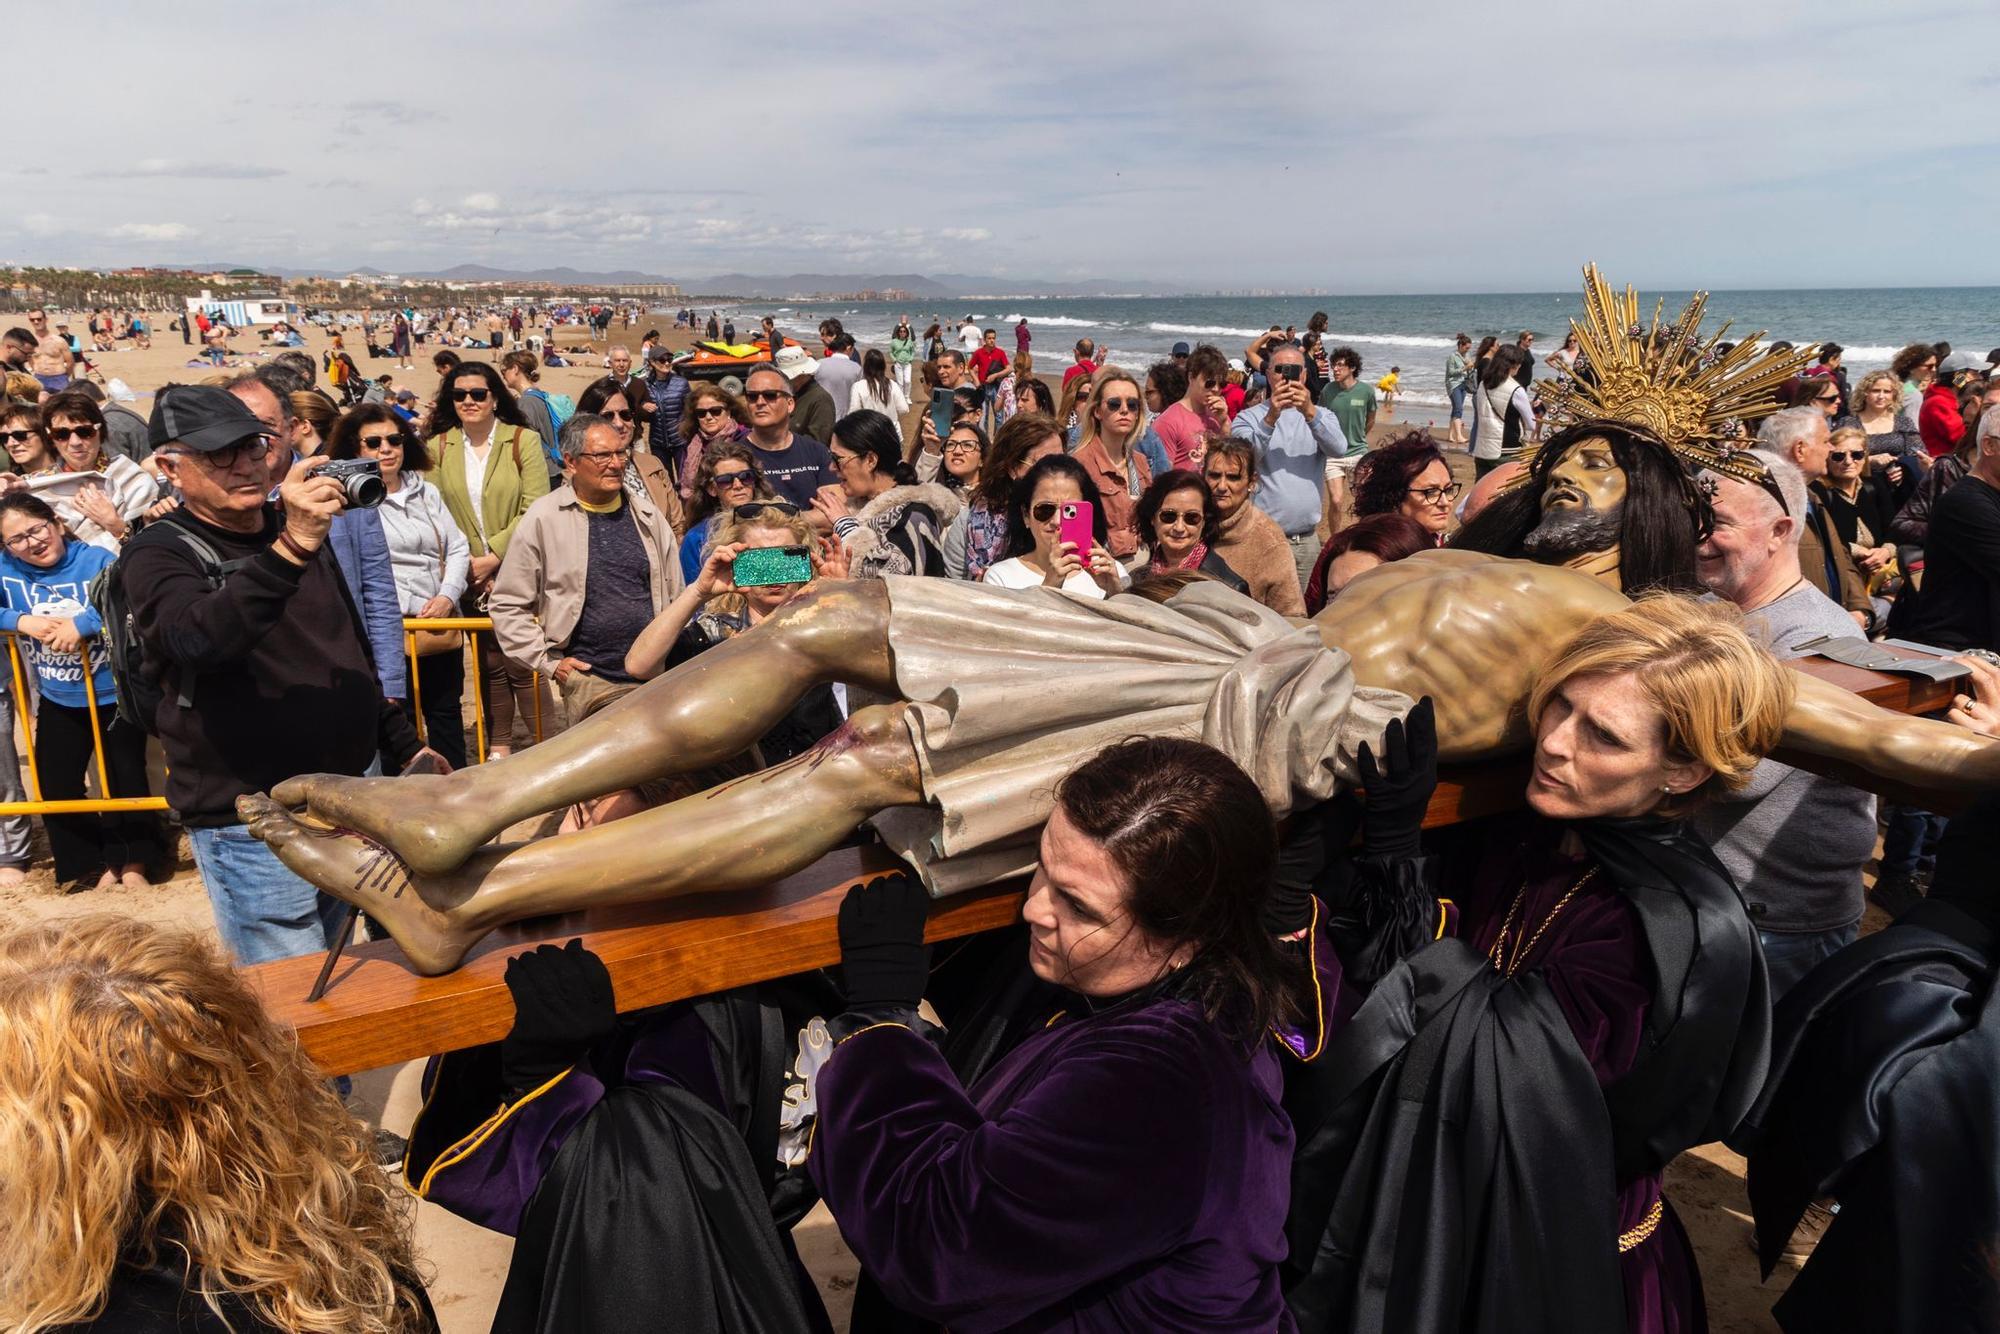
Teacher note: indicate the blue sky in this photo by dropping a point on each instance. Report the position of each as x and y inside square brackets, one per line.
[1385, 148]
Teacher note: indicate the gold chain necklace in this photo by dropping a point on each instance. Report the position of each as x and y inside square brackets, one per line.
[1497, 954]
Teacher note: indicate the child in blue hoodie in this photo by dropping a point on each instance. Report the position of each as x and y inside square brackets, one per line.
[44, 586]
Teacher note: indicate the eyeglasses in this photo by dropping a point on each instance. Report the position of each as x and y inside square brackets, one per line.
[1121, 404]
[1044, 511]
[476, 395]
[741, 477]
[961, 446]
[32, 535]
[222, 460]
[602, 456]
[1436, 495]
[380, 442]
[1191, 518]
[1846, 455]
[711, 412]
[61, 433]
[764, 395]
[610, 415]
[19, 437]
[842, 460]
[752, 509]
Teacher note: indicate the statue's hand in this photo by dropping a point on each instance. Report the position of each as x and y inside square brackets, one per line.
[1396, 790]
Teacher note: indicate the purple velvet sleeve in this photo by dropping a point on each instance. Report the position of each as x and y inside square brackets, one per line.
[489, 1173]
[1600, 975]
[1331, 1000]
[1097, 1162]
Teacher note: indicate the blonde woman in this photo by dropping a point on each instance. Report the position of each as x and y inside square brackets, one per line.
[1113, 422]
[1894, 447]
[173, 1160]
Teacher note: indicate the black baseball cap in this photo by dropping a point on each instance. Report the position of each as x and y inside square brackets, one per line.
[1181, 350]
[200, 417]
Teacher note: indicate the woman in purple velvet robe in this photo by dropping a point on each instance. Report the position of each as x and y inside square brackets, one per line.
[1486, 1151]
[1125, 1167]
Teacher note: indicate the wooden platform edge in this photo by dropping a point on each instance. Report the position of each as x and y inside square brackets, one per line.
[377, 1012]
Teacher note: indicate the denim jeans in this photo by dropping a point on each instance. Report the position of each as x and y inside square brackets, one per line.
[1458, 401]
[1909, 839]
[1790, 955]
[262, 910]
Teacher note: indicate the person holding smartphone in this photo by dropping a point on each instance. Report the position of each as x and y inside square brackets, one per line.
[1036, 552]
[1292, 436]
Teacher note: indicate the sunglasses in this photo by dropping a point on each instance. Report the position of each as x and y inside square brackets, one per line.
[476, 395]
[756, 509]
[722, 479]
[1044, 511]
[1192, 518]
[616, 416]
[711, 412]
[62, 433]
[1434, 495]
[1121, 404]
[19, 437]
[1846, 455]
[764, 395]
[380, 442]
[1827, 398]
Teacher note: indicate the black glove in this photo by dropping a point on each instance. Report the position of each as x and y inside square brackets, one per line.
[883, 957]
[1309, 855]
[1395, 800]
[563, 1007]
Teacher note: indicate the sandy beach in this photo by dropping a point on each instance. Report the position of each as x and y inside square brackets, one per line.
[467, 1263]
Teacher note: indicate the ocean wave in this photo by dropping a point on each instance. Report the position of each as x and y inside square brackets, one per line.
[1220, 329]
[1056, 321]
[1390, 340]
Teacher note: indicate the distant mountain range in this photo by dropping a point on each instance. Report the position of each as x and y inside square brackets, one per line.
[789, 286]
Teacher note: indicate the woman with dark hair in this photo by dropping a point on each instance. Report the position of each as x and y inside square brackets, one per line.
[728, 477]
[620, 402]
[1407, 476]
[709, 416]
[977, 538]
[902, 354]
[1166, 385]
[875, 391]
[1248, 538]
[1179, 520]
[1379, 539]
[45, 602]
[490, 468]
[1124, 1166]
[100, 495]
[1036, 554]
[1656, 527]
[431, 561]
[28, 450]
[1503, 414]
[897, 527]
[1915, 367]
[958, 459]
[933, 343]
[1034, 395]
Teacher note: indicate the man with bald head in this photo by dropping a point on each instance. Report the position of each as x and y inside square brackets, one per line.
[1794, 841]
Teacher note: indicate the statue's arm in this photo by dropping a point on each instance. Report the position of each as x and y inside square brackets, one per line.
[1833, 731]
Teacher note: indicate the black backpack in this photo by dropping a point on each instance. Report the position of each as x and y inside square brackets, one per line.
[141, 686]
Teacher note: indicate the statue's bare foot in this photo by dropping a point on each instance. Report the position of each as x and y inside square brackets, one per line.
[420, 912]
[422, 818]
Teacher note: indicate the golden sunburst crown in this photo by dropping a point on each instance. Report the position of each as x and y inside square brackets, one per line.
[1665, 377]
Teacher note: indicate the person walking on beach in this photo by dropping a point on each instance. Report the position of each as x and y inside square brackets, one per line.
[1022, 337]
[1454, 384]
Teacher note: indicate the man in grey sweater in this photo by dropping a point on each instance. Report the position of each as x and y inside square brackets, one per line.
[1795, 842]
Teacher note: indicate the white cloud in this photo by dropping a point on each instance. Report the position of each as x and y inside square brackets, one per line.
[482, 202]
[150, 231]
[966, 234]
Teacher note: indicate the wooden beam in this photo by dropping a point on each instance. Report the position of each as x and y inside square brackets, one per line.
[377, 1012]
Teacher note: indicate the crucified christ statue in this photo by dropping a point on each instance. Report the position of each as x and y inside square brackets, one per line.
[997, 693]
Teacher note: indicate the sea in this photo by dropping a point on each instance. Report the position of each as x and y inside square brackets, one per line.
[1415, 333]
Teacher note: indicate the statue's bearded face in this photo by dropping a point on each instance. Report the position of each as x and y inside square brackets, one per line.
[1582, 504]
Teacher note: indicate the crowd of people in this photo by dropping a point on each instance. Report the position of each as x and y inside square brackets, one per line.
[1329, 1071]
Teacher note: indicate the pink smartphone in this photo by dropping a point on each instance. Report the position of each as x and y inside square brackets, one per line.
[1075, 526]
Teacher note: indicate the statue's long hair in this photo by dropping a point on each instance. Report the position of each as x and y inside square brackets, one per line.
[1665, 516]
[151, 1112]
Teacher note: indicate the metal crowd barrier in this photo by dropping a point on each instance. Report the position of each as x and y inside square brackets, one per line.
[472, 626]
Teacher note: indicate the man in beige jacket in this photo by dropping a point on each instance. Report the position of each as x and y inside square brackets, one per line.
[589, 566]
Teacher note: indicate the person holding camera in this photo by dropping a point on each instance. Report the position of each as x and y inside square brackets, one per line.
[1292, 434]
[257, 655]
[590, 565]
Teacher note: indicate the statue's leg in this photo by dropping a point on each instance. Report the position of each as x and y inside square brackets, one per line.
[1834, 731]
[745, 833]
[701, 713]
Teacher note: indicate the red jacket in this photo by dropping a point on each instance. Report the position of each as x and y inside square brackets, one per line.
[1939, 421]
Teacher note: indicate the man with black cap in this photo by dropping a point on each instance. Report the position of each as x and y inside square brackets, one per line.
[257, 654]
[668, 390]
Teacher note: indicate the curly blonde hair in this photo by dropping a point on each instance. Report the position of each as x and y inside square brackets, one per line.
[1722, 699]
[1859, 398]
[150, 1110]
[729, 528]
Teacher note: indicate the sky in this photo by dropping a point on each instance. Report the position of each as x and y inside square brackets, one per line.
[1439, 147]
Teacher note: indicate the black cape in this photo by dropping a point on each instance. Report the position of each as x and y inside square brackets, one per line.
[1885, 1093]
[1457, 1161]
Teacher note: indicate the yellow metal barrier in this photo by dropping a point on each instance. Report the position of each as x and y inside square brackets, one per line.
[473, 626]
